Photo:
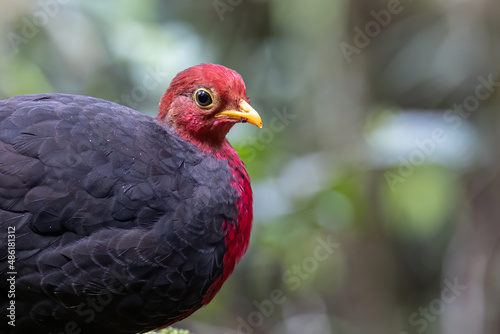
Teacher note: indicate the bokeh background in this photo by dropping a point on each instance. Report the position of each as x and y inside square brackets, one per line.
[376, 175]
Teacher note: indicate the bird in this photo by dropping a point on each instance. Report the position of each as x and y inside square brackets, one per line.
[119, 222]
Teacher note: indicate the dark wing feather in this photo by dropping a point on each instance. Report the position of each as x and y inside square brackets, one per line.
[108, 205]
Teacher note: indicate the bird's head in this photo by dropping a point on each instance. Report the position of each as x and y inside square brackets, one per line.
[203, 102]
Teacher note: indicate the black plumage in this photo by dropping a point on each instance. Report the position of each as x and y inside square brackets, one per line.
[131, 217]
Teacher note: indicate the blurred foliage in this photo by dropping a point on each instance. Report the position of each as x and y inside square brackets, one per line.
[169, 330]
[364, 145]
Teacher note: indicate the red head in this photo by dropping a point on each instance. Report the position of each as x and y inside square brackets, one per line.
[203, 102]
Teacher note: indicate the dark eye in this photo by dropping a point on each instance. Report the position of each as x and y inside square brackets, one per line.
[203, 98]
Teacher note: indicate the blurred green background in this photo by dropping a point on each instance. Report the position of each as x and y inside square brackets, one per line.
[375, 177]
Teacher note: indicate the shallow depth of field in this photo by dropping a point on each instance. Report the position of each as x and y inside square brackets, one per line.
[376, 175]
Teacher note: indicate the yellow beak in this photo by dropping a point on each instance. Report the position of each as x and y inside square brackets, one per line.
[245, 113]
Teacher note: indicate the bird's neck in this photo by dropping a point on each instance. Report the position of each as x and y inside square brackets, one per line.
[209, 141]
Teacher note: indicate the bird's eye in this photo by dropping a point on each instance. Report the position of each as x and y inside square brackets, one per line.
[203, 98]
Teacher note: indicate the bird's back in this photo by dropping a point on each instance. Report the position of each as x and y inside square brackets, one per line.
[117, 220]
